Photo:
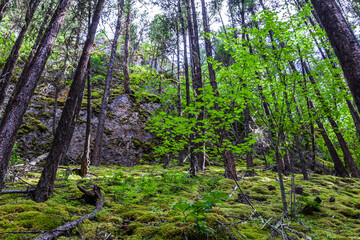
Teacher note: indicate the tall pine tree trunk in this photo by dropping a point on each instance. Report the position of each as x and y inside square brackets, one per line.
[20, 99]
[126, 51]
[345, 44]
[186, 64]
[7, 71]
[45, 187]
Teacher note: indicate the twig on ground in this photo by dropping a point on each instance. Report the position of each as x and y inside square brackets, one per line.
[266, 222]
[300, 234]
[233, 192]
[17, 191]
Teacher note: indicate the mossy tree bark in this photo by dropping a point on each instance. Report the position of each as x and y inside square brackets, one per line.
[45, 187]
[20, 99]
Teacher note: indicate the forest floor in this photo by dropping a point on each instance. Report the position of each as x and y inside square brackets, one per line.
[150, 202]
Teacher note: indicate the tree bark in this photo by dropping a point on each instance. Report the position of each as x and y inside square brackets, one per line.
[45, 187]
[40, 33]
[343, 41]
[8, 69]
[339, 167]
[96, 157]
[85, 161]
[20, 99]
[197, 83]
[186, 64]
[126, 51]
[3, 6]
[347, 154]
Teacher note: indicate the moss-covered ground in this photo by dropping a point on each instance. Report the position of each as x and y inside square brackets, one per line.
[150, 202]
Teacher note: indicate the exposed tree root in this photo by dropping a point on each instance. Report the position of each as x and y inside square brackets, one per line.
[92, 197]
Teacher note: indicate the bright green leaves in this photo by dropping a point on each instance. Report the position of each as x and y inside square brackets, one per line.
[196, 212]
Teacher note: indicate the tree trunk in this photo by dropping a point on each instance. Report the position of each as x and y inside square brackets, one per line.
[20, 99]
[85, 161]
[57, 83]
[339, 167]
[6, 73]
[343, 41]
[347, 154]
[40, 33]
[45, 187]
[186, 64]
[197, 83]
[126, 51]
[3, 6]
[96, 157]
[195, 67]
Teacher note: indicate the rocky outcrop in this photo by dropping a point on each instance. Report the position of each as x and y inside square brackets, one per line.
[125, 138]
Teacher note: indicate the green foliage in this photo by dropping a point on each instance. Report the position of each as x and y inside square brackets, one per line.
[197, 211]
[308, 206]
[15, 156]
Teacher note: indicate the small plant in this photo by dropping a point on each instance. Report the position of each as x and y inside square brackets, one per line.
[197, 211]
[15, 157]
[309, 207]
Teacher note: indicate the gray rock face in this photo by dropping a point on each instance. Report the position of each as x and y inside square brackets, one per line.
[124, 130]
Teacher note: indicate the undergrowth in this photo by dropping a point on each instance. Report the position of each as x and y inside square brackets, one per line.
[149, 202]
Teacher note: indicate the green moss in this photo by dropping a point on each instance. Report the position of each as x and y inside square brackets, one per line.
[111, 115]
[25, 128]
[38, 124]
[139, 200]
[49, 101]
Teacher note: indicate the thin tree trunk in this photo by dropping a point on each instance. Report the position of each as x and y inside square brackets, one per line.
[275, 141]
[57, 83]
[20, 99]
[96, 158]
[339, 167]
[194, 69]
[8, 69]
[347, 154]
[45, 187]
[197, 84]
[85, 161]
[186, 64]
[126, 51]
[3, 6]
[40, 33]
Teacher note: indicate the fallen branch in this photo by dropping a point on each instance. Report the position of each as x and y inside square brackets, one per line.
[300, 234]
[89, 197]
[17, 191]
[236, 187]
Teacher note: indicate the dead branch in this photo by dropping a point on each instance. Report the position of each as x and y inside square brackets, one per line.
[17, 191]
[93, 197]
